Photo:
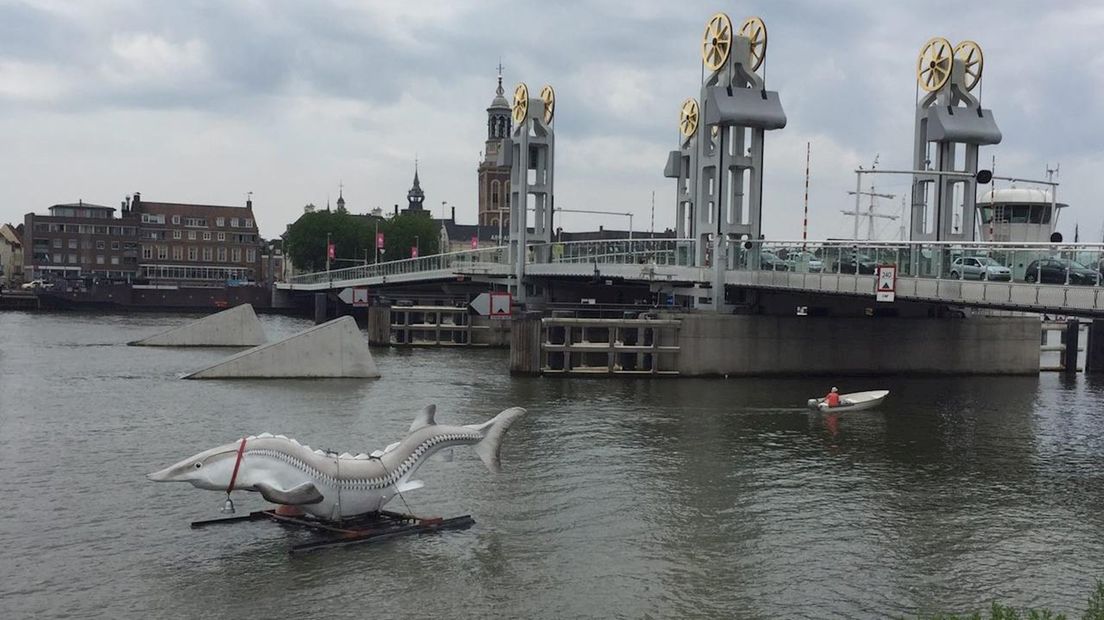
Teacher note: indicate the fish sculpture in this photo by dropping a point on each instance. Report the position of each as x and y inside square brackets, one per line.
[334, 486]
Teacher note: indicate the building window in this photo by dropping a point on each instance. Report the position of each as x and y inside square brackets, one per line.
[162, 252]
[178, 252]
[176, 220]
[206, 236]
[192, 253]
[191, 235]
[114, 260]
[59, 258]
[73, 258]
[147, 251]
[233, 222]
[196, 222]
[57, 243]
[100, 245]
[222, 236]
[235, 255]
[251, 255]
[222, 255]
[114, 245]
[99, 259]
[248, 223]
[72, 244]
[220, 221]
[207, 254]
[496, 187]
[176, 234]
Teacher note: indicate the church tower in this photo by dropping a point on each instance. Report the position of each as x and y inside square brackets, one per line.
[494, 180]
[415, 197]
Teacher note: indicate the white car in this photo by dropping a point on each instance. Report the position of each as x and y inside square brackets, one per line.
[37, 284]
[979, 268]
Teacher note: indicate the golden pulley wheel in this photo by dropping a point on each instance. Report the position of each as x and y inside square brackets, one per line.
[521, 103]
[755, 30]
[933, 68]
[973, 61]
[548, 96]
[688, 117]
[717, 41]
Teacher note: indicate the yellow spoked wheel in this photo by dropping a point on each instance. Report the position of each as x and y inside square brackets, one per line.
[717, 41]
[521, 103]
[933, 68]
[688, 117]
[548, 96]
[755, 30]
[973, 60]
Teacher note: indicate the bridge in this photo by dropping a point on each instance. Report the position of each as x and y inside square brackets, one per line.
[1031, 277]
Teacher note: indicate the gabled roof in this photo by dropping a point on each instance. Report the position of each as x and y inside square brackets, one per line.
[10, 235]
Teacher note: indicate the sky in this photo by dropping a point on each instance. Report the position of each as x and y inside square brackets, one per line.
[205, 101]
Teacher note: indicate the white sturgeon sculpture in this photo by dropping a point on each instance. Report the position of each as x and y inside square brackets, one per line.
[326, 484]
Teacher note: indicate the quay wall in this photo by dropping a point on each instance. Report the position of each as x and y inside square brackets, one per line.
[712, 345]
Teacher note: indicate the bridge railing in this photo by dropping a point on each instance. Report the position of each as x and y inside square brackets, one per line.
[1078, 264]
[434, 262]
[619, 251]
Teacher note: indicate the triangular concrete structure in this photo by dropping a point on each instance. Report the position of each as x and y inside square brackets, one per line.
[333, 349]
[236, 327]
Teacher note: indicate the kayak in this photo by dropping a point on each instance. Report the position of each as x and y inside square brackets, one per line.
[856, 401]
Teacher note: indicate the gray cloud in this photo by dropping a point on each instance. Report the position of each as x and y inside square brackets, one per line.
[206, 100]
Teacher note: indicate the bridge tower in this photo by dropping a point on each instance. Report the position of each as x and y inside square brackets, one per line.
[950, 126]
[726, 166]
[530, 154]
[683, 165]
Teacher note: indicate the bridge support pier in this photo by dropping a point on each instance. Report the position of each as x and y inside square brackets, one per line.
[319, 308]
[1094, 348]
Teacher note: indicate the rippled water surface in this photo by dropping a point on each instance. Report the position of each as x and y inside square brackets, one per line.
[629, 499]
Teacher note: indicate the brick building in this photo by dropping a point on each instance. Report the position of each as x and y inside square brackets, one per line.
[494, 180]
[197, 244]
[79, 240]
[159, 242]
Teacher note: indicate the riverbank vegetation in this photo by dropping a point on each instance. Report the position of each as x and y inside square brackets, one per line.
[997, 611]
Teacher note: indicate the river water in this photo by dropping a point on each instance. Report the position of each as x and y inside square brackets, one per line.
[666, 498]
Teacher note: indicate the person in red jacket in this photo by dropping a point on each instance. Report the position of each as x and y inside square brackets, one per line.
[832, 398]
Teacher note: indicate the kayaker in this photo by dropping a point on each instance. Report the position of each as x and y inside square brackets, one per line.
[832, 398]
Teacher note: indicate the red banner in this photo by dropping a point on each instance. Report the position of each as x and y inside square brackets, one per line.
[413, 251]
[331, 251]
[475, 243]
[379, 241]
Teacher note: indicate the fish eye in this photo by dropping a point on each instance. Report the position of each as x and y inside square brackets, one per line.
[198, 465]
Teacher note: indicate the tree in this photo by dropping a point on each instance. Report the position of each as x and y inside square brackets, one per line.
[405, 231]
[305, 240]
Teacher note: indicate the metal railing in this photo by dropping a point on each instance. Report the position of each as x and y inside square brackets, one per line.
[619, 251]
[454, 261]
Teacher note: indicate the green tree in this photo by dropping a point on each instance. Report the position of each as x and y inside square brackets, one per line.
[305, 240]
[405, 231]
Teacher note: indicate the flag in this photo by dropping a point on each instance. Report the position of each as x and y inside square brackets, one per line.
[331, 251]
[379, 241]
[413, 251]
[475, 243]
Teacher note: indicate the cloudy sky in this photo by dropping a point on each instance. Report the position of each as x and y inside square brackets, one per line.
[204, 101]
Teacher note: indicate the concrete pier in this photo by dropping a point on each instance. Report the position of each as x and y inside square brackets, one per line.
[333, 349]
[236, 327]
[705, 345]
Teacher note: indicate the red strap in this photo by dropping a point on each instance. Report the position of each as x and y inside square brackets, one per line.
[237, 465]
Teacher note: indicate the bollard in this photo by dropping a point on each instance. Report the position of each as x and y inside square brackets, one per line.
[319, 308]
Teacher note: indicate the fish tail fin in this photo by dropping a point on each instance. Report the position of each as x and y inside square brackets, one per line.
[493, 431]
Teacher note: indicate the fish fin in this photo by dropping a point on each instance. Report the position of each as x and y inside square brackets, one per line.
[409, 485]
[493, 430]
[391, 446]
[424, 418]
[305, 493]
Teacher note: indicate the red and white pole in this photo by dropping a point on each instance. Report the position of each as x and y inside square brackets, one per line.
[805, 224]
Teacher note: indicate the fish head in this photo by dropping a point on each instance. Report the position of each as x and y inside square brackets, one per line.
[210, 469]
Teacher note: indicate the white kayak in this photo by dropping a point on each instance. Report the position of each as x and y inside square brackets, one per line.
[856, 401]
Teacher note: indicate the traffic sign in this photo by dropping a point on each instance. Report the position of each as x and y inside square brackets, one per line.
[886, 283]
[357, 297]
[501, 305]
[482, 304]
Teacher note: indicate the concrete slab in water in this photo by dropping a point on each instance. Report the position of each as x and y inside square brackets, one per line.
[333, 349]
[236, 327]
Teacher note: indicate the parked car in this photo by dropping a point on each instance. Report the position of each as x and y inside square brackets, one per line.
[804, 261]
[848, 263]
[771, 262]
[37, 284]
[980, 268]
[1053, 271]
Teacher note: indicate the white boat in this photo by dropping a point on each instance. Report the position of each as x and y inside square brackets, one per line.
[856, 401]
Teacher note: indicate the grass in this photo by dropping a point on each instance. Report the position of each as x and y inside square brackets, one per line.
[1095, 611]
